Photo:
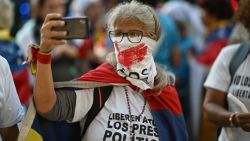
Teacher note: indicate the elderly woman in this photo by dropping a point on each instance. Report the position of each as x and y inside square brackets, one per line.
[141, 102]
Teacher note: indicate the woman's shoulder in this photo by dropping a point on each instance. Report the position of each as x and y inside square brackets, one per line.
[227, 53]
[230, 49]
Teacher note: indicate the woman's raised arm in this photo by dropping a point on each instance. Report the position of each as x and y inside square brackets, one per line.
[44, 93]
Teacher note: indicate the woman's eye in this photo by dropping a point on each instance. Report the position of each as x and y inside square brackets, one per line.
[132, 34]
[118, 34]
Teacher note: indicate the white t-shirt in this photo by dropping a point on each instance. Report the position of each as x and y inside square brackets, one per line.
[112, 123]
[219, 78]
[11, 111]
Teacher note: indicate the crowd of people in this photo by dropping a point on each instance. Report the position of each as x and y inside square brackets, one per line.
[150, 70]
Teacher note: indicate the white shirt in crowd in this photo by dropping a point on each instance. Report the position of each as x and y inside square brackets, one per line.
[11, 111]
[219, 79]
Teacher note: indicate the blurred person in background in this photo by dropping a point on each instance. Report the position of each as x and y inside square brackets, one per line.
[186, 18]
[91, 8]
[217, 18]
[134, 30]
[190, 15]
[11, 111]
[13, 53]
[232, 115]
[66, 58]
[29, 33]
[93, 49]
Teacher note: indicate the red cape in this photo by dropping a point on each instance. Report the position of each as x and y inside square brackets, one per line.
[168, 99]
[104, 73]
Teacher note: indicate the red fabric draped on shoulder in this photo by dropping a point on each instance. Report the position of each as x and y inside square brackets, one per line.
[104, 73]
[168, 99]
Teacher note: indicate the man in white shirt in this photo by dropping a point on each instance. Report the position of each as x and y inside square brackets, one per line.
[11, 111]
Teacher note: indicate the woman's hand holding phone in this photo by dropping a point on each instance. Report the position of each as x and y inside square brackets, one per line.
[48, 41]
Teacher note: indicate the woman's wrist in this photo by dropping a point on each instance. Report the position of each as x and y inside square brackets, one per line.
[232, 118]
[41, 56]
[46, 51]
[44, 58]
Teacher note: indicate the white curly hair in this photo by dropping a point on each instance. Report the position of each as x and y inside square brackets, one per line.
[142, 12]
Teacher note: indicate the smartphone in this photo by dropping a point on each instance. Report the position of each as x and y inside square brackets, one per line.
[76, 27]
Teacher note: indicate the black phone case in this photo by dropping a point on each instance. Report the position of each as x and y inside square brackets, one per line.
[76, 27]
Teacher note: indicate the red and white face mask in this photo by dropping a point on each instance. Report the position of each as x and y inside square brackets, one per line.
[135, 62]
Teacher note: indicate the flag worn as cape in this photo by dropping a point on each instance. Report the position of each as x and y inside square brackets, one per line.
[165, 108]
[14, 55]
